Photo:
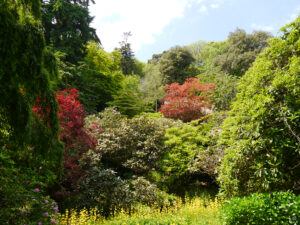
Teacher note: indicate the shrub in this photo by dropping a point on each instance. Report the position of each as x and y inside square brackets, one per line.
[104, 189]
[132, 144]
[148, 193]
[193, 148]
[263, 209]
[21, 195]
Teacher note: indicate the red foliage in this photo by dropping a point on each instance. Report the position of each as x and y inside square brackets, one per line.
[77, 141]
[188, 101]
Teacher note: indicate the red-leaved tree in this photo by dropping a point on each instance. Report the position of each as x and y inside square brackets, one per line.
[72, 133]
[77, 141]
[188, 101]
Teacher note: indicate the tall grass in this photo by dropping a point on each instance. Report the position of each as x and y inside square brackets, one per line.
[194, 211]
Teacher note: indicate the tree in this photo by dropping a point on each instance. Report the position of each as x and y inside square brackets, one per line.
[26, 73]
[129, 100]
[225, 88]
[188, 101]
[30, 152]
[176, 65]
[127, 61]
[152, 85]
[205, 54]
[67, 27]
[241, 51]
[77, 141]
[261, 134]
[99, 78]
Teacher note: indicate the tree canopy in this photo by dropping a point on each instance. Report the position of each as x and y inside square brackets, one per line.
[67, 27]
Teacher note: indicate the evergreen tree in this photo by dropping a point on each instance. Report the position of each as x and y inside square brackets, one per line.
[30, 149]
[67, 27]
[127, 61]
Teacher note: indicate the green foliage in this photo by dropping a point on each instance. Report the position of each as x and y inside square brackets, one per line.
[129, 100]
[241, 51]
[193, 149]
[225, 88]
[135, 144]
[99, 78]
[108, 118]
[263, 209]
[26, 72]
[106, 190]
[262, 130]
[152, 85]
[30, 154]
[127, 62]
[129, 145]
[205, 54]
[139, 68]
[67, 28]
[176, 65]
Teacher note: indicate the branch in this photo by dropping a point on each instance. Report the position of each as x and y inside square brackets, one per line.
[288, 126]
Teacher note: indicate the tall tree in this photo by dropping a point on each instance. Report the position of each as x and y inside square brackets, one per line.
[242, 49]
[152, 85]
[30, 148]
[176, 65]
[127, 61]
[67, 27]
[26, 71]
[100, 78]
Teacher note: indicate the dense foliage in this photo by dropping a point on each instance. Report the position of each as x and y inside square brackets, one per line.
[228, 115]
[77, 141]
[241, 50]
[262, 130]
[176, 65]
[192, 151]
[188, 101]
[31, 152]
[99, 78]
[132, 144]
[264, 209]
[67, 27]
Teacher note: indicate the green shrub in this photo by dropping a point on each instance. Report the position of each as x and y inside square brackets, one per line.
[22, 200]
[192, 149]
[131, 145]
[263, 209]
[104, 189]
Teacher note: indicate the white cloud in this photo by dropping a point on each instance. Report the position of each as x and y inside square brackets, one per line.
[143, 18]
[203, 8]
[263, 27]
[214, 6]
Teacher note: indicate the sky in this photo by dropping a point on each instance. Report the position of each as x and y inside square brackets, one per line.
[158, 25]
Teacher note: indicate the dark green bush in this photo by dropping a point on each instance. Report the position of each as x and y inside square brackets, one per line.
[274, 208]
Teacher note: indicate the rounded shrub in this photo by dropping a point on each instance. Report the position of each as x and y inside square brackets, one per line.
[272, 208]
